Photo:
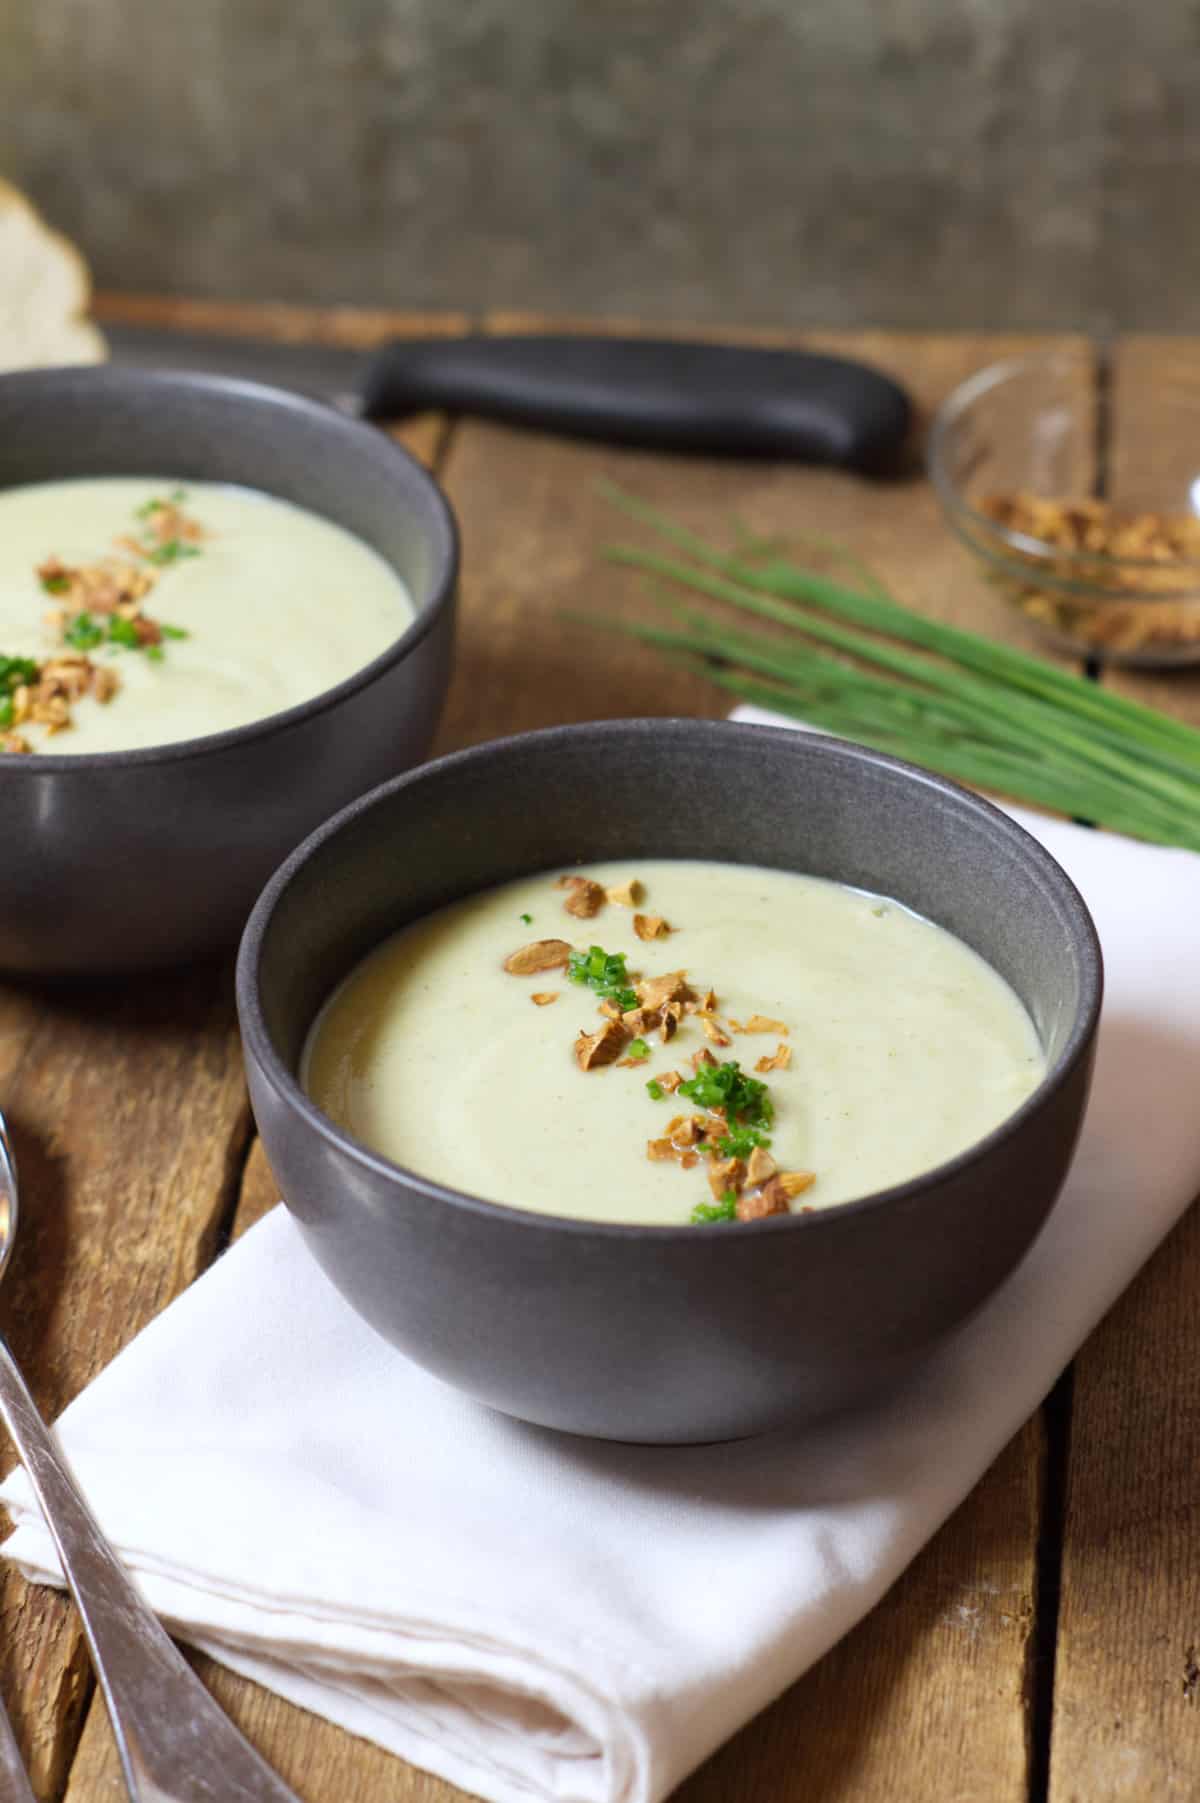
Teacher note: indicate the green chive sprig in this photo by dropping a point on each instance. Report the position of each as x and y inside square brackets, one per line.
[844, 655]
[605, 974]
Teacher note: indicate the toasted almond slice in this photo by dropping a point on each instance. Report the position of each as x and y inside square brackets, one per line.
[609, 1009]
[761, 1023]
[668, 1019]
[625, 895]
[761, 1166]
[670, 1081]
[14, 742]
[756, 1205]
[542, 954]
[651, 926]
[659, 1150]
[673, 987]
[542, 998]
[780, 1060]
[584, 897]
[690, 1160]
[636, 1020]
[53, 713]
[725, 1174]
[702, 1057]
[686, 1134]
[780, 1189]
[714, 1031]
[595, 1049]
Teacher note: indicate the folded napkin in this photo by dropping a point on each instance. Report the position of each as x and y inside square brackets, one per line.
[535, 1616]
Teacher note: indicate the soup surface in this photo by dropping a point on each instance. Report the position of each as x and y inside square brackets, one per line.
[870, 1045]
[156, 610]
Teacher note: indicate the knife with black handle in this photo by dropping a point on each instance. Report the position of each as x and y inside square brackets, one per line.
[661, 393]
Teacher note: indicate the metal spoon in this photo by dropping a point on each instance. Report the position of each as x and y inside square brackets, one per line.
[176, 1746]
[14, 1780]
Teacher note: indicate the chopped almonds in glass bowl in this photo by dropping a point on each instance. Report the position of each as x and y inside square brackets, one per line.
[1086, 523]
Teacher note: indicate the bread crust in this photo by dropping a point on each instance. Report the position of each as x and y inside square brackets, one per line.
[45, 289]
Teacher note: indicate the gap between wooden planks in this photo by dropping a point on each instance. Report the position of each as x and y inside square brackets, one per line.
[929, 1698]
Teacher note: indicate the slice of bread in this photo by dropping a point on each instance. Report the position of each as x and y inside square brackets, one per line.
[44, 292]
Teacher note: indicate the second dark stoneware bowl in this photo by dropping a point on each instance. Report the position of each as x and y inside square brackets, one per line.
[122, 861]
[667, 1333]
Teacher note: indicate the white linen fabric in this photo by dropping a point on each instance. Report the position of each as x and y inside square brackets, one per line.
[535, 1616]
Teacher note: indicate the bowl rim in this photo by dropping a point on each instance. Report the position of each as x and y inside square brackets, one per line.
[843, 1216]
[426, 617]
[1036, 550]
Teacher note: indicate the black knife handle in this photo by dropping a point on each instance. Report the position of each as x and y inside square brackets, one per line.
[732, 400]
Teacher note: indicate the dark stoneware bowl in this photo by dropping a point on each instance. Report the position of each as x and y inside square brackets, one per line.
[129, 860]
[667, 1333]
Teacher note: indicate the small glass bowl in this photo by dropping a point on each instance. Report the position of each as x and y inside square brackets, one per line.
[1018, 454]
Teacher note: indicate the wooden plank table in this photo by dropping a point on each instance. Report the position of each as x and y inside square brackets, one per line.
[1046, 1644]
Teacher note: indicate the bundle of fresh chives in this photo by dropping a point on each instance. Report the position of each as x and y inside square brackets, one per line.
[853, 660]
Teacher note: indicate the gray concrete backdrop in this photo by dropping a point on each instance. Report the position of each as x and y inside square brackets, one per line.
[957, 162]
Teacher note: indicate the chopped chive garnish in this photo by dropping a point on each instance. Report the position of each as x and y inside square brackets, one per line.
[638, 1049]
[744, 1099]
[83, 633]
[742, 1141]
[16, 671]
[173, 632]
[122, 632]
[724, 1210]
[55, 585]
[172, 551]
[655, 1090]
[605, 974]
[156, 503]
[528, 919]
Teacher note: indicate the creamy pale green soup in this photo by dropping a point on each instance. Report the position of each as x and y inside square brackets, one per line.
[277, 603]
[906, 1047]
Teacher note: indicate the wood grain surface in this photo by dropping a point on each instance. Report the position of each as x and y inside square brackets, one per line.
[1127, 1667]
[975, 1680]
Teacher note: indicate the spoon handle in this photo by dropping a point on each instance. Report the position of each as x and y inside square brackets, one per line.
[14, 1780]
[176, 1745]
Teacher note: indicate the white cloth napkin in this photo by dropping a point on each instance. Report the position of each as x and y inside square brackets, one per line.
[540, 1617]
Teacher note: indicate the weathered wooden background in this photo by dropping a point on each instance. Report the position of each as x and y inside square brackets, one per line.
[1005, 163]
